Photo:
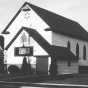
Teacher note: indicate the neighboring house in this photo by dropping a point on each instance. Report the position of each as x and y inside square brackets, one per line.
[51, 37]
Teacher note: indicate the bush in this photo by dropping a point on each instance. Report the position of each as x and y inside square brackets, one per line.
[53, 68]
[14, 69]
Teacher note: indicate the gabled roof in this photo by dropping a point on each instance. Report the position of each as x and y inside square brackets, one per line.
[58, 24]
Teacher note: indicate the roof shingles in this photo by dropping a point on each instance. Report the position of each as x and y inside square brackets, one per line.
[61, 24]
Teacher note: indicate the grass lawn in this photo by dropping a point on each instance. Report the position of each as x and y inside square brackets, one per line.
[69, 79]
[76, 79]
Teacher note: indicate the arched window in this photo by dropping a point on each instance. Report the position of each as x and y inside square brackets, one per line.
[84, 52]
[68, 45]
[77, 50]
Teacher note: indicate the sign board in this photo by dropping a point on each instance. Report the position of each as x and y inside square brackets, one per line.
[23, 51]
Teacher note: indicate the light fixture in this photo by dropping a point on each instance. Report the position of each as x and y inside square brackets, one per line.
[26, 10]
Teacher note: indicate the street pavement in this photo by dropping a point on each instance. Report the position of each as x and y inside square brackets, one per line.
[80, 81]
[4, 84]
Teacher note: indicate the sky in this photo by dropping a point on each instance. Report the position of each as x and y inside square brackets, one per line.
[73, 9]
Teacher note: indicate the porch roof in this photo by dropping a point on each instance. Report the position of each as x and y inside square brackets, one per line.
[62, 53]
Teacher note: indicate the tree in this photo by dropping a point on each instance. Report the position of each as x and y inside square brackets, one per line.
[1, 67]
[29, 68]
[53, 67]
[68, 45]
[26, 68]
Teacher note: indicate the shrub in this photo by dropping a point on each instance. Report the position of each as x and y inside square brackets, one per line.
[14, 69]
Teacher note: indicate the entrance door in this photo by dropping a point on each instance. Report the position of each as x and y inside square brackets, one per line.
[42, 65]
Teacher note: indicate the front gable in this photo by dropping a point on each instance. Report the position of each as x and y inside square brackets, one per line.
[27, 19]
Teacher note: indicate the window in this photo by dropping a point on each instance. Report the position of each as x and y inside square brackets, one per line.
[84, 52]
[77, 50]
[68, 45]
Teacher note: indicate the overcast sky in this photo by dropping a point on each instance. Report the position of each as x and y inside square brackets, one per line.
[74, 9]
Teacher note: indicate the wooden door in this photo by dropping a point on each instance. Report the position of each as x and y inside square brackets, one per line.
[42, 65]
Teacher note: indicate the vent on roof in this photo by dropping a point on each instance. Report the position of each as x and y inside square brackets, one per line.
[26, 8]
